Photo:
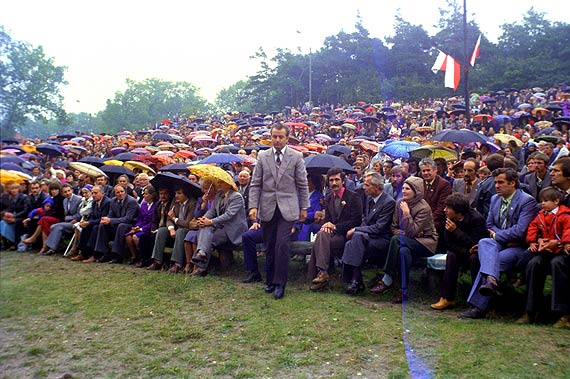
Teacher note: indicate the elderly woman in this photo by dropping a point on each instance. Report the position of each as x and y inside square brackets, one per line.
[125, 182]
[143, 224]
[414, 236]
[13, 210]
[84, 211]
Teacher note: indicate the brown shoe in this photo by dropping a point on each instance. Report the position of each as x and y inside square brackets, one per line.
[319, 286]
[188, 268]
[380, 288]
[563, 322]
[442, 304]
[199, 272]
[322, 277]
[91, 259]
[490, 288]
[525, 319]
[175, 269]
[78, 257]
[155, 266]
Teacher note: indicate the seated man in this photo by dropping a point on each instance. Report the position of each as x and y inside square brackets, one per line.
[71, 216]
[464, 227]
[510, 213]
[223, 223]
[177, 225]
[123, 212]
[370, 240]
[343, 211]
[99, 209]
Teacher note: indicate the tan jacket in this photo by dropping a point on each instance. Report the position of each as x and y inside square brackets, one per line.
[188, 221]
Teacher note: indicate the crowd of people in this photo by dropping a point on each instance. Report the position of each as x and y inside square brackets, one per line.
[501, 206]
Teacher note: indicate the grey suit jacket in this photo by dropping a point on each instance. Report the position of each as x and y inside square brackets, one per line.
[126, 213]
[285, 187]
[232, 220]
[533, 184]
[376, 222]
[71, 208]
[459, 187]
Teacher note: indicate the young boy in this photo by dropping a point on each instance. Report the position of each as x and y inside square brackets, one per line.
[547, 234]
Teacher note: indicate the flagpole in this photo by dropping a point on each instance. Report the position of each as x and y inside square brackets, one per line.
[466, 63]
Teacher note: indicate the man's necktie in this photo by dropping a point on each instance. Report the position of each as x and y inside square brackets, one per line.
[161, 222]
[428, 187]
[181, 213]
[503, 214]
[370, 205]
[278, 158]
[468, 186]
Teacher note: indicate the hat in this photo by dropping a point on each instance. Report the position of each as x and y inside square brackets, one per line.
[87, 187]
[48, 200]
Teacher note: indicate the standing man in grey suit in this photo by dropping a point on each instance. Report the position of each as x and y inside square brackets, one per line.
[279, 196]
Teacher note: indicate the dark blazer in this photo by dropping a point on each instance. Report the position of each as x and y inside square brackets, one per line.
[126, 213]
[160, 213]
[376, 222]
[532, 182]
[467, 234]
[18, 205]
[37, 202]
[519, 215]
[188, 214]
[245, 194]
[350, 214]
[435, 197]
[98, 211]
[484, 194]
[459, 187]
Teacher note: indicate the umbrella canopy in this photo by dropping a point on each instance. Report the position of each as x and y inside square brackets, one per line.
[319, 164]
[213, 172]
[7, 176]
[12, 167]
[11, 159]
[139, 165]
[140, 151]
[338, 150]
[399, 149]
[171, 181]
[433, 152]
[117, 150]
[113, 162]
[186, 154]
[541, 111]
[505, 138]
[125, 156]
[175, 168]
[162, 136]
[10, 140]
[220, 158]
[551, 139]
[95, 161]
[115, 171]
[369, 145]
[87, 169]
[459, 136]
[49, 149]
[483, 117]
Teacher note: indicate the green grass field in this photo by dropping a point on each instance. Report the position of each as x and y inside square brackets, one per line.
[61, 317]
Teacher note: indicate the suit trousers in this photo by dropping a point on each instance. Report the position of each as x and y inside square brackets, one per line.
[178, 254]
[401, 251]
[537, 269]
[145, 247]
[495, 258]
[208, 238]
[161, 239]
[56, 232]
[277, 237]
[249, 241]
[103, 234]
[119, 240]
[361, 248]
[453, 264]
[326, 247]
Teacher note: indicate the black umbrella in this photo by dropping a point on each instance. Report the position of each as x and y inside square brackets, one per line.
[171, 181]
[441, 113]
[175, 168]
[552, 139]
[49, 149]
[370, 119]
[162, 136]
[10, 140]
[319, 164]
[457, 112]
[388, 109]
[124, 156]
[460, 136]
[554, 107]
[458, 106]
[113, 171]
[95, 161]
[338, 150]
[248, 149]
[66, 136]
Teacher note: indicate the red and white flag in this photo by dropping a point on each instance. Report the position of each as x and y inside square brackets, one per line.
[452, 73]
[439, 62]
[476, 51]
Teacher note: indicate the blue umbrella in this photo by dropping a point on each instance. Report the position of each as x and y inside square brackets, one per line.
[459, 136]
[399, 149]
[126, 156]
[524, 106]
[319, 164]
[11, 159]
[175, 168]
[220, 158]
[13, 167]
[338, 150]
[94, 161]
[49, 149]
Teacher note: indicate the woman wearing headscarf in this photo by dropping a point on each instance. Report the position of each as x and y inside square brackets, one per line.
[414, 236]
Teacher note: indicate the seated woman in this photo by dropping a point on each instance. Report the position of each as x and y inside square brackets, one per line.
[316, 200]
[414, 236]
[57, 215]
[143, 224]
[125, 182]
[13, 210]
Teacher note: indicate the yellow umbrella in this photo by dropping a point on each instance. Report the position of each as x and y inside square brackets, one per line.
[213, 172]
[541, 111]
[29, 149]
[87, 169]
[433, 152]
[505, 138]
[114, 162]
[543, 124]
[7, 176]
[135, 164]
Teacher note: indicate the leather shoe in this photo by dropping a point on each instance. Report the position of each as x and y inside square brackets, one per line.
[442, 304]
[155, 266]
[199, 257]
[175, 269]
[279, 291]
[115, 261]
[473, 312]
[526, 319]
[199, 272]
[103, 259]
[563, 323]
[78, 257]
[269, 288]
[380, 288]
[91, 259]
[319, 286]
[490, 288]
[354, 288]
[48, 252]
[254, 276]
[322, 277]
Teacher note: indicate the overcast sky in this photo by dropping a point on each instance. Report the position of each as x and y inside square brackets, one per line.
[209, 43]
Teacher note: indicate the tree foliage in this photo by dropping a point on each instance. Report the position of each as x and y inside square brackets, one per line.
[29, 84]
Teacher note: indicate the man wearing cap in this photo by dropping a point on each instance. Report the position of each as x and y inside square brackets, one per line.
[71, 216]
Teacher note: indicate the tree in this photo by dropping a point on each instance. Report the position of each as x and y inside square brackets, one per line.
[29, 84]
[144, 103]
